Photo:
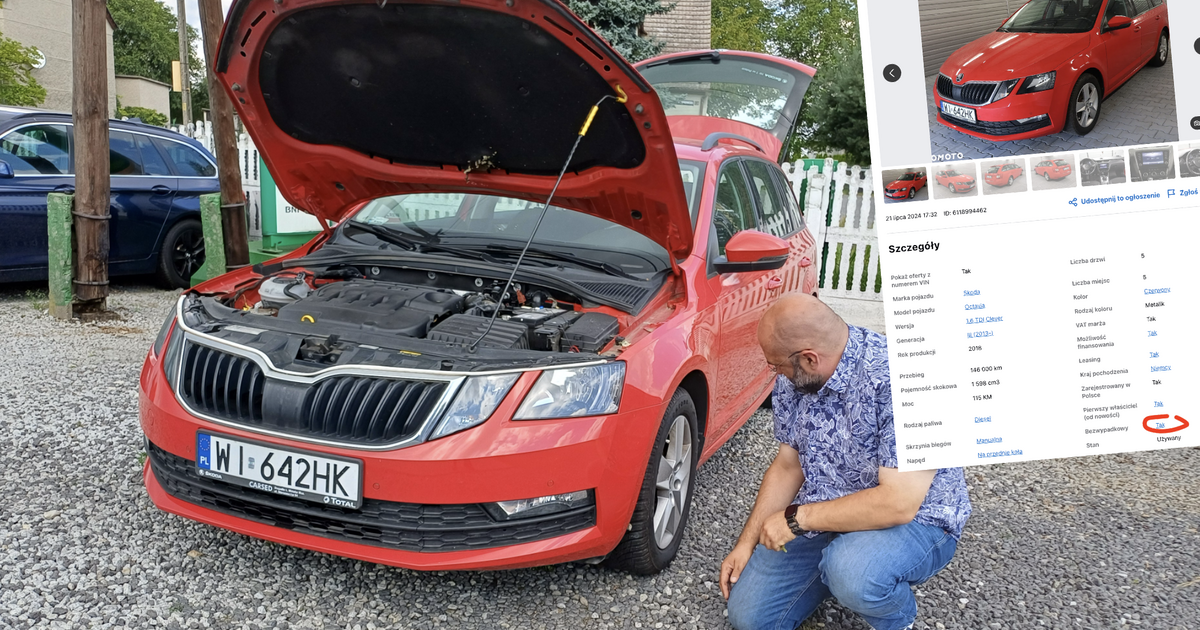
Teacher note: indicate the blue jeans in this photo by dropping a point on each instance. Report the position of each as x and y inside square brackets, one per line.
[868, 572]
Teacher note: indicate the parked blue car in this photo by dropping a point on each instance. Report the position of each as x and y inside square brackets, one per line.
[157, 177]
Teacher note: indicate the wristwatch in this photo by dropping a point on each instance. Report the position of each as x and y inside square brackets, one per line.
[790, 515]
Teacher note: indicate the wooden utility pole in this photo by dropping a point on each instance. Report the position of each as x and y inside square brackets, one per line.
[90, 111]
[233, 198]
[184, 82]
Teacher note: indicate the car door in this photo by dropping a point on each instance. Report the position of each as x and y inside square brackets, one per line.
[40, 158]
[741, 300]
[196, 174]
[1122, 48]
[142, 190]
[777, 218]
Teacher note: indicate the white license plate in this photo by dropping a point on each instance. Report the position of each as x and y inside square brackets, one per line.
[958, 111]
[297, 474]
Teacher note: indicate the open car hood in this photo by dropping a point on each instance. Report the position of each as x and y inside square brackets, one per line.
[351, 100]
[752, 95]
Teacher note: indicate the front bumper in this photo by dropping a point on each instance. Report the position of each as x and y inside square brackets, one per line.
[896, 194]
[1017, 117]
[422, 505]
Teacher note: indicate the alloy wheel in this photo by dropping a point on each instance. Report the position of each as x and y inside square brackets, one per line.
[673, 482]
[187, 256]
[1087, 105]
[1163, 48]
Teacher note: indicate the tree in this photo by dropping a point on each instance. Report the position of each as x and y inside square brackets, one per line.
[838, 107]
[620, 22]
[146, 115]
[742, 25]
[147, 41]
[17, 85]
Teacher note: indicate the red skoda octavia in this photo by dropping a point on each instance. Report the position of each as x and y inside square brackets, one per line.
[1049, 67]
[532, 315]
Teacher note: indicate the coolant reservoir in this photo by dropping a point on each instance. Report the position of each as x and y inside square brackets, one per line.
[277, 292]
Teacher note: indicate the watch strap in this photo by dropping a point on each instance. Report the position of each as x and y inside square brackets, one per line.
[790, 515]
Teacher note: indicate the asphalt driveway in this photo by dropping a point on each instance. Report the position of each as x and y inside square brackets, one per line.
[1141, 112]
[1092, 542]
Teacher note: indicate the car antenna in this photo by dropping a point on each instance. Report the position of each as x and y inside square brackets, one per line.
[620, 97]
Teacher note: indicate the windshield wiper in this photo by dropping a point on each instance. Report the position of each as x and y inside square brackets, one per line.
[417, 245]
[594, 265]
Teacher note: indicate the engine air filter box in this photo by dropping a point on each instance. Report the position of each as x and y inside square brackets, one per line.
[465, 329]
[590, 333]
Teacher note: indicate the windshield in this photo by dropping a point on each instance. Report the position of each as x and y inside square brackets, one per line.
[907, 177]
[951, 173]
[501, 226]
[1055, 16]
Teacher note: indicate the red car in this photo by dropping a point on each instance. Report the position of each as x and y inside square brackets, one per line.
[1049, 67]
[1051, 170]
[401, 390]
[907, 186]
[955, 182]
[1003, 174]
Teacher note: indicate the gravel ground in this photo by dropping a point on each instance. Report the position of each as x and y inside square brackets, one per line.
[1096, 542]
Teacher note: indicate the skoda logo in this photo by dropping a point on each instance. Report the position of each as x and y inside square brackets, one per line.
[959, 78]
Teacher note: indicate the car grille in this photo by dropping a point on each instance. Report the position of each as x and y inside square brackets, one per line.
[361, 410]
[971, 93]
[1005, 128]
[404, 526]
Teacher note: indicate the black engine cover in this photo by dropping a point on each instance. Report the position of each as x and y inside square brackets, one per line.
[383, 307]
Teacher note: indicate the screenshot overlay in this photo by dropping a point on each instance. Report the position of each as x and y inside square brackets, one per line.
[1040, 164]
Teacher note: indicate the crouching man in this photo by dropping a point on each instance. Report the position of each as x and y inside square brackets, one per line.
[834, 517]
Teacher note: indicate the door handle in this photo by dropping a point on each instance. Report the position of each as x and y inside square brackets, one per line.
[65, 189]
[774, 283]
[161, 190]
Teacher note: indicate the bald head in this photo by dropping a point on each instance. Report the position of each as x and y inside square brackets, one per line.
[798, 322]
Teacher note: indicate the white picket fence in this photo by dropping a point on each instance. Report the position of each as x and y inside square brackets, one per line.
[844, 194]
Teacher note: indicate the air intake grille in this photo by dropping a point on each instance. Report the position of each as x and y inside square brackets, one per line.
[625, 293]
[973, 93]
[351, 409]
[222, 385]
[368, 410]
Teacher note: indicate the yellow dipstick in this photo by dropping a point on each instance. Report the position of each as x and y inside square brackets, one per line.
[308, 319]
[595, 108]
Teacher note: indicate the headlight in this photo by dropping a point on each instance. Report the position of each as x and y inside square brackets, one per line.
[1006, 88]
[474, 403]
[1038, 83]
[170, 358]
[575, 392]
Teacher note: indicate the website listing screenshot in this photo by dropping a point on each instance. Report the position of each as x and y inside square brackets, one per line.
[1040, 164]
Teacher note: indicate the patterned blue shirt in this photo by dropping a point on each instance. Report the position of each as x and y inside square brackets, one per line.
[844, 434]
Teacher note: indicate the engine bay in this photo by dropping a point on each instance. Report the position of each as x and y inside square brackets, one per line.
[305, 325]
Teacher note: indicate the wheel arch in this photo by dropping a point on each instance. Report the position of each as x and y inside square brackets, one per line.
[695, 383]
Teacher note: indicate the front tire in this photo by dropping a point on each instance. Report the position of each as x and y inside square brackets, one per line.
[660, 516]
[912, 192]
[1164, 51]
[1085, 104]
[952, 189]
[181, 255]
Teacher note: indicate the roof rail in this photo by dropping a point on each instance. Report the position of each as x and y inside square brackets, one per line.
[713, 138]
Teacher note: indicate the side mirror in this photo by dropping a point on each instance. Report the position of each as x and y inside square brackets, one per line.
[6, 171]
[1118, 22]
[751, 250]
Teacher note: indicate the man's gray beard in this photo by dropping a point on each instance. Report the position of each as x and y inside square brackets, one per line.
[803, 382]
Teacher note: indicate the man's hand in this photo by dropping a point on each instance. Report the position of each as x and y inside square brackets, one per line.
[731, 568]
[775, 532]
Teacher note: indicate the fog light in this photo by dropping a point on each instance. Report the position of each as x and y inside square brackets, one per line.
[527, 508]
[1034, 119]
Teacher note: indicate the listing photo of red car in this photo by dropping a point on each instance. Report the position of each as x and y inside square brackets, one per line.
[1054, 172]
[517, 358]
[1070, 73]
[906, 184]
[1004, 176]
[959, 179]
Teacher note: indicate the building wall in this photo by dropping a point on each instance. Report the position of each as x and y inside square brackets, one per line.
[143, 92]
[46, 24]
[947, 25]
[686, 27]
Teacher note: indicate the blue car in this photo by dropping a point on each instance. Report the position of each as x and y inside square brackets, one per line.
[157, 177]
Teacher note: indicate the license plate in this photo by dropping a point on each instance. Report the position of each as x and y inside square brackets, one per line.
[296, 474]
[958, 111]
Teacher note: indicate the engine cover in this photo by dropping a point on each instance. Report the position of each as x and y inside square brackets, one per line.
[383, 307]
